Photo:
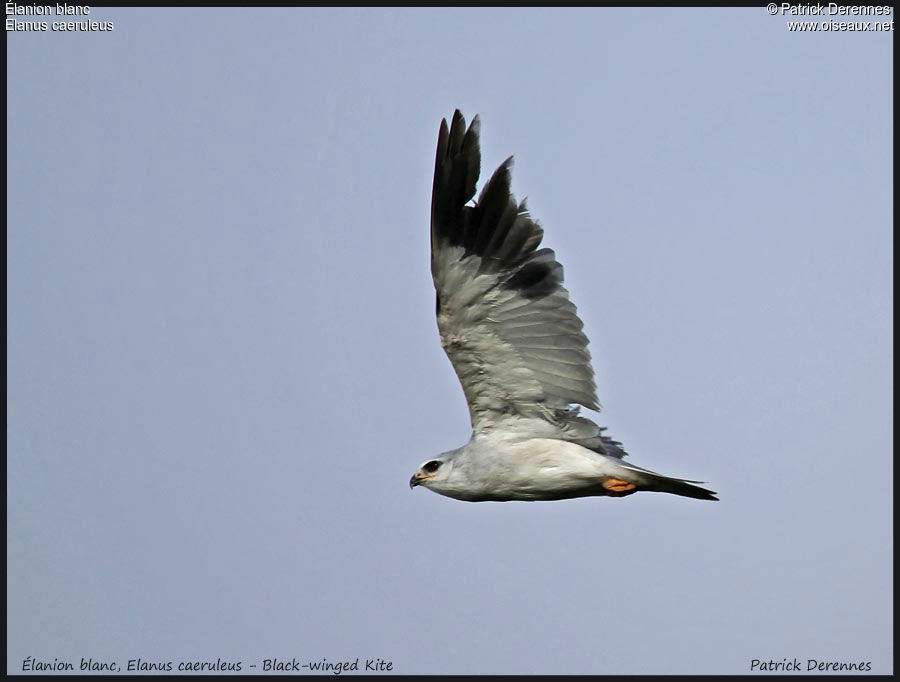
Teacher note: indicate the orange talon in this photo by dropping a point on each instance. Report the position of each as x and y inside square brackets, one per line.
[617, 485]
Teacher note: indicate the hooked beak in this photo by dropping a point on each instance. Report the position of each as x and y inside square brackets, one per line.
[418, 478]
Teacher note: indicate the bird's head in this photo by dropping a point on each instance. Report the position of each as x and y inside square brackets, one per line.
[432, 472]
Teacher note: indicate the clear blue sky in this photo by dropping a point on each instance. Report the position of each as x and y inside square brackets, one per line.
[223, 364]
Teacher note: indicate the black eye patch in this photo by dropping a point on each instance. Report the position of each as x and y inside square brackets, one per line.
[431, 466]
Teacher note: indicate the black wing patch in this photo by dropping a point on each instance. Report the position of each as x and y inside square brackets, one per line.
[496, 228]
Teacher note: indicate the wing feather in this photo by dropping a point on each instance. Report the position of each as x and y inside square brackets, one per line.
[506, 321]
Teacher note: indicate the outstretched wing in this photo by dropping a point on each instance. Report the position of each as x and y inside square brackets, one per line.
[506, 321]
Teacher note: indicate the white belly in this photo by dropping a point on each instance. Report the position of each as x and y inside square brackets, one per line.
[536, 469]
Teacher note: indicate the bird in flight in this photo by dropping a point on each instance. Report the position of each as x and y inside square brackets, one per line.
[515, 341]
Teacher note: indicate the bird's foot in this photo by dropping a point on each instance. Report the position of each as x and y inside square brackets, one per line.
[617, 486]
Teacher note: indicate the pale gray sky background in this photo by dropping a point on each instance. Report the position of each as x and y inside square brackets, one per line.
[223, 364]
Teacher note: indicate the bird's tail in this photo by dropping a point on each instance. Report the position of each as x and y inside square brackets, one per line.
[655, 482]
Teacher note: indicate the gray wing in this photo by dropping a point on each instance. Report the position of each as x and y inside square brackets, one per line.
[505, 320]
